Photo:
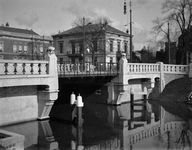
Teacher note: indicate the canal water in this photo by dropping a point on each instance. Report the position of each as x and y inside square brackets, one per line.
[154, 125]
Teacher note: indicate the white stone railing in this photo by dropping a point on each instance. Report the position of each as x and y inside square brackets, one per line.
[176, 69]
[23, 67]
[143, 68]
[131, 68]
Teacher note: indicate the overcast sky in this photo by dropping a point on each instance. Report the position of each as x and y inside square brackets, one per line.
[47, 17]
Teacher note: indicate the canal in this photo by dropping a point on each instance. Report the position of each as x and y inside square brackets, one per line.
[156, 125]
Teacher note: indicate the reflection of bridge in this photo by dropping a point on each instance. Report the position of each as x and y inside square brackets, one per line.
[151, 130]
[135, 132]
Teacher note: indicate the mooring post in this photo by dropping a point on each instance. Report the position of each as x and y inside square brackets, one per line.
[73, 107]
[80, 138]
[80, 105]
[132, 101]
[145, 97]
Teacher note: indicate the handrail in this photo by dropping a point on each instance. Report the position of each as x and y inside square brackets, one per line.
[87, 69]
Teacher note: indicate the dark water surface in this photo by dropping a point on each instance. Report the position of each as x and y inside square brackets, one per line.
[158, 125]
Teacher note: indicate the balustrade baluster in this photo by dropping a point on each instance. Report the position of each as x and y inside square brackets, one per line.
[42, 68]
[35, 68]
[19, 68]
[2, 68]
[59, 68]
[10, 68]
[27, 68]
[62, 69]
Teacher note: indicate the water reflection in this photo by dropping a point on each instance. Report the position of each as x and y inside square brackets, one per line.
[155, 125]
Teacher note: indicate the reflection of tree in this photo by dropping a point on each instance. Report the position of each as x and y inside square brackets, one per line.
[184, 137]
[2, 147]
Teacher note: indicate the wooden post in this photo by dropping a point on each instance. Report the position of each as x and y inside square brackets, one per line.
[79, 110]
[132, 101]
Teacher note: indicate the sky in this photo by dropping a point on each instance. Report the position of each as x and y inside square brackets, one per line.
[48, 17]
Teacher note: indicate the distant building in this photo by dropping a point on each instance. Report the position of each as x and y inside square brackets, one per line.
[91, 43]
[170, 53]
[167, 55]
[26, 44]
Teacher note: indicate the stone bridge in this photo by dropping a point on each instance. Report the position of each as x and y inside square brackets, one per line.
[28, 89]
[140, 76]
[23, 79]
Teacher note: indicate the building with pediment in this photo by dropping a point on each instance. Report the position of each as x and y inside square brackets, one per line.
[91, 43]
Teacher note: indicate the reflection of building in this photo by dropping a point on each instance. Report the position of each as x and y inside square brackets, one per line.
[91, 44]
[18, 43]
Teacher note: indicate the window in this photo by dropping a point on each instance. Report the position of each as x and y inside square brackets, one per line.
[73, 47]
[95, 46]
[111, 59]
[81, 47]
[15, 48]
[61, 60]
[111, 46]
[125, 47]
[25, 49]
[41, 49]
[15, 57]
[1, 46]
[20, 48]
[118, 46]
[72, 60]
[61, 47]
[95, 61]
[1, 56]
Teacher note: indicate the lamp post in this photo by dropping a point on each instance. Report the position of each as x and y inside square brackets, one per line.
[168, 38]
[83, 39]
[125, 12]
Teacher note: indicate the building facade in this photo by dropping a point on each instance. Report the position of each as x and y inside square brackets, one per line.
[24, 44]
[91, 44]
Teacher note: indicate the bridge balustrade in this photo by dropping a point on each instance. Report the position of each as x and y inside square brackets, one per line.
[23, 67]
[180, 69]
[143, 68]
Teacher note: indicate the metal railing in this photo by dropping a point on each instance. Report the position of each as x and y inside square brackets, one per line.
[68, 69]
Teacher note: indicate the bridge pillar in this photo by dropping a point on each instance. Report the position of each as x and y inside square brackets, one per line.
[162, 78]
[118, 89]
[47, 96]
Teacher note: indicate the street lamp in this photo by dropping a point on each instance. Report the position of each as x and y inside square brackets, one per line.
[125, 12]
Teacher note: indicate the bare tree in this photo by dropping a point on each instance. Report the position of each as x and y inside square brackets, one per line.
[93, 34]
[178, 13]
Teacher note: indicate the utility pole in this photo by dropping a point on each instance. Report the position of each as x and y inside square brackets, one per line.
[130, 33]
[169, 53]
[125, 12]
[83, 39]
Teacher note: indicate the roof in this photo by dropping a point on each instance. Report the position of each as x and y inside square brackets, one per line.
[91, 28]
[17, 30]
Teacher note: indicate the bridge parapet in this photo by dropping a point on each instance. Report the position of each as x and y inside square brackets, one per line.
[23, 67]
[143, 68]
[154, 68]
[176, 69]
